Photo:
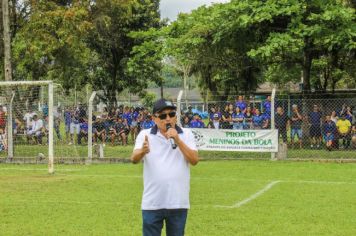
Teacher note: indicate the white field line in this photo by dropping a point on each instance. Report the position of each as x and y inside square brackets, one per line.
[253, 196]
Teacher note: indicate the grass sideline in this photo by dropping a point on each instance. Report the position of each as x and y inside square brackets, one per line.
[311, 199]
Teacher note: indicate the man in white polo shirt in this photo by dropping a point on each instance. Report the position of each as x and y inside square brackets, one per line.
[167, 152]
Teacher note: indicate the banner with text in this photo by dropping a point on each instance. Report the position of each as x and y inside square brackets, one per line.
[236, 140]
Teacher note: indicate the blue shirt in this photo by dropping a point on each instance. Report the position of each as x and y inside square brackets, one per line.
[257, 120]
[128, 117]
[238, 115]
[212, 115]
[266, 116]
[148, 124]
[349, 117]
[242, 105]
[67, 117]
[84, 126]
[267, 107]
[196, 124]
[329, 127]
[315, 117]
[45, 110]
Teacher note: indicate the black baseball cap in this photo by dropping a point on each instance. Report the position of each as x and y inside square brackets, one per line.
[162, 104]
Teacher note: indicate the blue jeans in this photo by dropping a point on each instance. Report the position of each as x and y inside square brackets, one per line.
[175, 219]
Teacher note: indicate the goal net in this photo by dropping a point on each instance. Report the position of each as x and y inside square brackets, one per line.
[26, 122]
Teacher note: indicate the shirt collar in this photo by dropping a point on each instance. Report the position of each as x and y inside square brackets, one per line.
[154, 129]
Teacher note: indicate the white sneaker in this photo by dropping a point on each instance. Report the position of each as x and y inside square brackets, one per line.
[70, 143]
[312, 146]
[103, 144]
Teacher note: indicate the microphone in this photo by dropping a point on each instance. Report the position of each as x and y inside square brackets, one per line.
[171, 140]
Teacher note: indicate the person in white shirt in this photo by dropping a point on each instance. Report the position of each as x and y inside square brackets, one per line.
[36, 130]
[167, 151]
[3, 140]
[28, 120]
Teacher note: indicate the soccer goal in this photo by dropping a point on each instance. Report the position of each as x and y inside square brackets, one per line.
[26, 121]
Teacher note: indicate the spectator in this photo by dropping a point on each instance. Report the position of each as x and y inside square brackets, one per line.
[348, 114]
[215, 123]
[45, 110]
[266, 120]
[36, 131]
[296, 125]
[248, 118]
[315, 129]
[334, 117]
[120, 130]
[83, 131]
[56, 122]
[186, 122]
[148, 122]
[3, 140]
[281, 122]
[227, 117]
[100, 131]
[267, 105]
[67, 121]
[2, 118]
[238, 118]
[189, 113]
[134, 123]
[257, 120]
[344, 130]
[240, 103]
[28, 119]
[74, 125]
[196, 122]
[353, 133]
[329, 129]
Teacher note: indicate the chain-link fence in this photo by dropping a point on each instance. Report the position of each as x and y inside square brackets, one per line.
[311, 126]
[315, 127]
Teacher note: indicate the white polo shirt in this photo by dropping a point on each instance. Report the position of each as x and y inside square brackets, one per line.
[166, 173]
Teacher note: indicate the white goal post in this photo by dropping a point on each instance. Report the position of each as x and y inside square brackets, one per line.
[9, 95]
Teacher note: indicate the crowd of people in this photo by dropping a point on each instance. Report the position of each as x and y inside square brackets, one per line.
[339, 125]
[122, 124]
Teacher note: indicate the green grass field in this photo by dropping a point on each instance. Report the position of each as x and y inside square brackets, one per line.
[310, 199]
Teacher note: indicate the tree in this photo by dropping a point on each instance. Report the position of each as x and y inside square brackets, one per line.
[111, 41]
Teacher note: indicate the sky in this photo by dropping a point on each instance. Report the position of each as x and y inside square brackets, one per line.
[171, 8]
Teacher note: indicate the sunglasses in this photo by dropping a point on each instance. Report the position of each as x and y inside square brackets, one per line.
[163, 116]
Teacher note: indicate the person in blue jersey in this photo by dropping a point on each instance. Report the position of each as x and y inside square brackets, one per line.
[267, 105]
[314, 119]
[197, 122]
[240, 103]
[328, 130]
[238, 118]
[257, 119]
[166, 171]
[148, 122]
[266, 120]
